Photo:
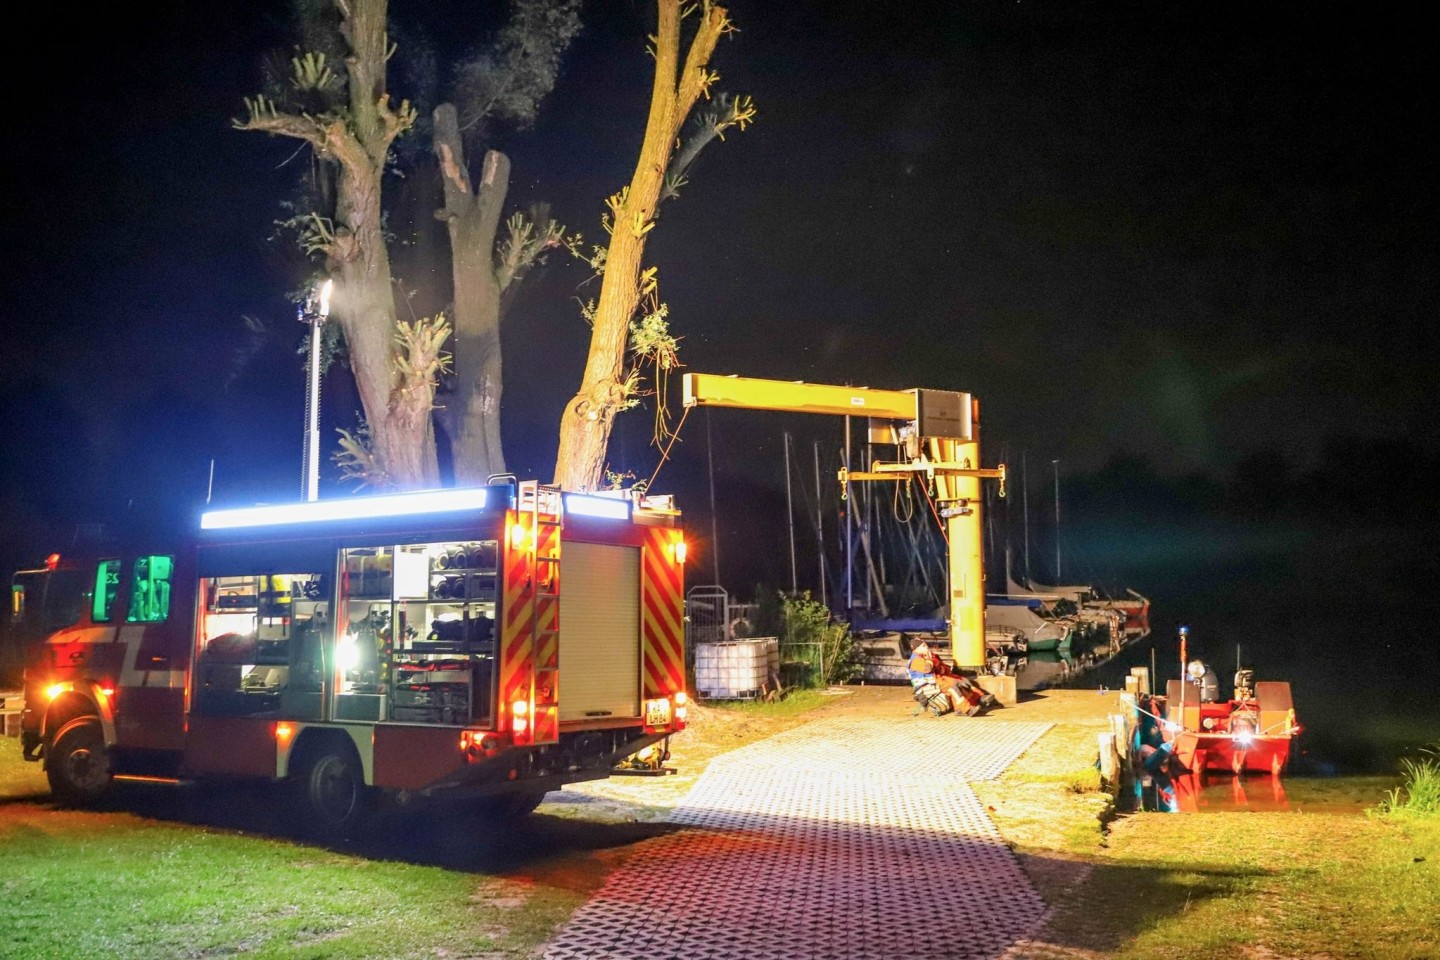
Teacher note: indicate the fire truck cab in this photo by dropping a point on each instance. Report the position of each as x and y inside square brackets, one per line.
[488, 642]
[41, 600]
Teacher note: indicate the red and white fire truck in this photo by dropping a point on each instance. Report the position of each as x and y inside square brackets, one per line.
[491, 642]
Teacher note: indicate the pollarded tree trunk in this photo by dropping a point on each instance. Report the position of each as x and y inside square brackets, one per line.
[395, 393]
[472, 218]
[399, 416]
[585, 425]
[365, 310]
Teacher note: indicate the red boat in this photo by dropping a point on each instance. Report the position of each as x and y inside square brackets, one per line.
[1249, 733]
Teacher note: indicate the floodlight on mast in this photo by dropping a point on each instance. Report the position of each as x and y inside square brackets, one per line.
[314, 311]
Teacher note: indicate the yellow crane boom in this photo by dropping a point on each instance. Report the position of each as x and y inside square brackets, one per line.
[937, 432]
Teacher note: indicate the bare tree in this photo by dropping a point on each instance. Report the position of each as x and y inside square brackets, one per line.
[607, 387]
[346, 117]
[396, 384]
[505, 82]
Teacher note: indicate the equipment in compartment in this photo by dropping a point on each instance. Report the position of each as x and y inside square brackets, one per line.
[468, 556]
[465, 571]
[427, 613]
[436, 691]
[463, 585]
[369, 572]
[476, 635]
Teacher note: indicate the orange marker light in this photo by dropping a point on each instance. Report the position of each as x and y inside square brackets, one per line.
[283, 732]
[54, 690]
[518, 536]
[680, 551]
[107, 691]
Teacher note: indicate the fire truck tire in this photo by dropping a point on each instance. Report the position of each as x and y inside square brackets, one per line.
[511, 806]
[77, 763]
[332, 790]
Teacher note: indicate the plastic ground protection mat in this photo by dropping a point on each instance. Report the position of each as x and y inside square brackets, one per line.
[827, 841]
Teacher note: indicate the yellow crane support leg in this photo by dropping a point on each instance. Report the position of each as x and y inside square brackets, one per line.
[960, 498]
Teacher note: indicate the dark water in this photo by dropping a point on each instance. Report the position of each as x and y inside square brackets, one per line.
[1336, 613]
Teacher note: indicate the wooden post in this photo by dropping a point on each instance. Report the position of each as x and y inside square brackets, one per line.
[1122, 742]
[1109, 762]
[1142, 678]
[1130, 704]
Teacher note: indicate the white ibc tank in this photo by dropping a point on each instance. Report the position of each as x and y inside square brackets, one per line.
[736, 669]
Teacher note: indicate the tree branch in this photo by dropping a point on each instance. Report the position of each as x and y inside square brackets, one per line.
[419, 359]
[527, 239]
[658, 129]
[266, 118]
[392, 123]
[329, 135]
[696, 77]
[450, 154]
[709, 124]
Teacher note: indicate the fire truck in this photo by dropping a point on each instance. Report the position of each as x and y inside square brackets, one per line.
[492, 643]
[41, 600]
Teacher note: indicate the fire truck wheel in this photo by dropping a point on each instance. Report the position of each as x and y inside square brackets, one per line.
[77, 763]
[333, 790]
[511, 806]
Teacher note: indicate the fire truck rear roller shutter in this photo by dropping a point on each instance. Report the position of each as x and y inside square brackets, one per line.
[599, 631]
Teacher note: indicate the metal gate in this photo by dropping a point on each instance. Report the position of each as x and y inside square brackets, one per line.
[707, 617]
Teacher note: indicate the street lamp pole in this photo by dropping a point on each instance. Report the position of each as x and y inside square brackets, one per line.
[314, 311]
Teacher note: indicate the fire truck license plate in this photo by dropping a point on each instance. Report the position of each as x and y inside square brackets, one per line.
[657, 713]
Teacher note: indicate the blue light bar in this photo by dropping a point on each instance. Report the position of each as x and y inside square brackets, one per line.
[606, 508]
[350, 508]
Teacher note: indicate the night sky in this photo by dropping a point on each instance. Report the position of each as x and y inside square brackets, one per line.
[1185, 236]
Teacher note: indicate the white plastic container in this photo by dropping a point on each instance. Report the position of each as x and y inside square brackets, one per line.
[736, 669]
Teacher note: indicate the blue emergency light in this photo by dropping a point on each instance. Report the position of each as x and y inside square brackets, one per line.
[606, 508]
[348, 508]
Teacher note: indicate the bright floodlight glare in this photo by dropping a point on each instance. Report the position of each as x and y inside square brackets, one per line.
[325, 290]
[347, 654]
[350, 508]
[606, 508]
[1244, 739]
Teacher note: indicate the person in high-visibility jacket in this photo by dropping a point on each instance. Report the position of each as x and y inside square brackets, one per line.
[927, 668]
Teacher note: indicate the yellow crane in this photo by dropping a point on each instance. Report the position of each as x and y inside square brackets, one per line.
[936, 433]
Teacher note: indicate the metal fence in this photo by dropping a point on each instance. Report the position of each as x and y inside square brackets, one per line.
[712, 617]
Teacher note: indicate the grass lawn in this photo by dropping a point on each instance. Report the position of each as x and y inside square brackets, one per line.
[167, 873]
[118, 885]
[794, 704]
[1214, 884]
[1260, 885]
[18, 778]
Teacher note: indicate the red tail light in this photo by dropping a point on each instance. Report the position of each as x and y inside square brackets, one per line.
[520, 721]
